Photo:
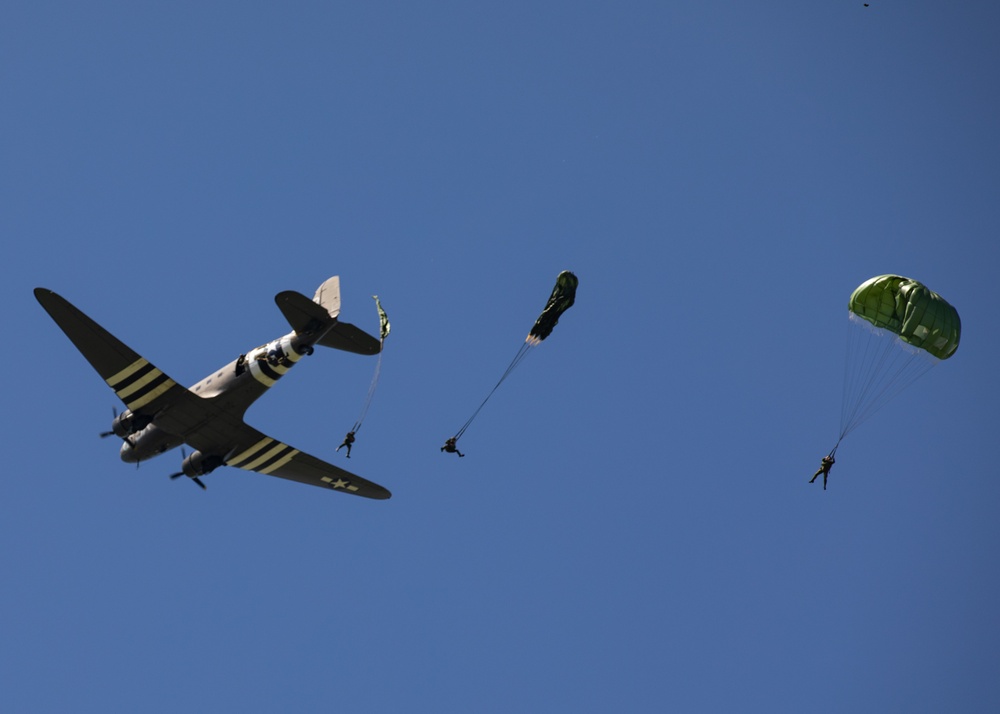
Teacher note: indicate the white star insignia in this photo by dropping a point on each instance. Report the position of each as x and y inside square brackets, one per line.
[339, 483]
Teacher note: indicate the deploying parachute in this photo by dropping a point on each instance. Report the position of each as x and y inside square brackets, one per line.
[562, 298]
[383, 321]
[898, 330]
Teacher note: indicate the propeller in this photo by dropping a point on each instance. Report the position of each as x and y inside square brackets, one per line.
[104, 434]
[193, 478]
[130, 439]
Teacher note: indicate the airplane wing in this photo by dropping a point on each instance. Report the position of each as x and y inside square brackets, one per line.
[144, 388]
[246, 448]
[269, 456]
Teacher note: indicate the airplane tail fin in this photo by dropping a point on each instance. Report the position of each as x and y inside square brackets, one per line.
[320, 315]
[328, 296]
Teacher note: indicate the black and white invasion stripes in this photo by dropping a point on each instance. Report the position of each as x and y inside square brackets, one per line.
[263, 457]
[139, 384]
[269, 455]
[269, 363]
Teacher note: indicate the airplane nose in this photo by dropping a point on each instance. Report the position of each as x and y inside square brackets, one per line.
[128, 453]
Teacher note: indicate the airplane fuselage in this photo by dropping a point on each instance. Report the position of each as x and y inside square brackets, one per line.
[233, 388]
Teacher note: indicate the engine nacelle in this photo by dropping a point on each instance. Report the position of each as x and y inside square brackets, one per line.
[199, 464]
[128, 423]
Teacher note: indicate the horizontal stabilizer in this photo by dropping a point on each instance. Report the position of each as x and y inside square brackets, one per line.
[304, 315]
[301, 312]
[347, 337]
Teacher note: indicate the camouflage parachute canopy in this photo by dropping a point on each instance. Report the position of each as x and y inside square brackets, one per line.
[562, 298]
[910, 310]
[383, 319]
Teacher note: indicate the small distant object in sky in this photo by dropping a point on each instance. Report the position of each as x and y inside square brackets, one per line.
[866, 4]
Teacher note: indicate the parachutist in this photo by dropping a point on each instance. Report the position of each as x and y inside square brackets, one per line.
[451, 446]
[825, 465]
[348, 440]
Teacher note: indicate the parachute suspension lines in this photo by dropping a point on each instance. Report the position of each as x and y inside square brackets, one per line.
[878, 366]
[383, 333]
[521, 353]
[371, 395]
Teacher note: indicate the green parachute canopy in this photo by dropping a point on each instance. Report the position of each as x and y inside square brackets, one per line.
[898, 329]
[907, 308]
[561, 300]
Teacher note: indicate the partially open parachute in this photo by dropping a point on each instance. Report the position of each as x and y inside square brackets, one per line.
[562, 298]
[898, 330]
[383, 321]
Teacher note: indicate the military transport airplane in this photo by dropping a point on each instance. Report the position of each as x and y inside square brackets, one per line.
[161, 414]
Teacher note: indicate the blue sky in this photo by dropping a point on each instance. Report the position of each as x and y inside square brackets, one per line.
[632, 528]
